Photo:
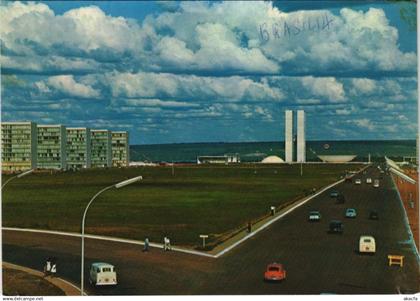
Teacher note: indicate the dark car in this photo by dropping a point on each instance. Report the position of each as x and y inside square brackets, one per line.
[373, 215]
[336, 227]
[334, 194]
[340, 199]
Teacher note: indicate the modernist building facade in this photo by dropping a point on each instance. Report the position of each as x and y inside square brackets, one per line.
[300, 137]
[301, 142]
[288, 136]
[101, 152]
[19, 146]
[78, 148]
[51, 147]
[26, 145]
[120, 149]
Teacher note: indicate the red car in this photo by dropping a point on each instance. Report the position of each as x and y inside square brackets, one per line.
[275, 272]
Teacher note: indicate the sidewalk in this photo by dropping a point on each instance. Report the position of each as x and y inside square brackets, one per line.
[68, 288]
[410, 199]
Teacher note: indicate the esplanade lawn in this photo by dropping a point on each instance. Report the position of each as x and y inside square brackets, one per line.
[181, 203]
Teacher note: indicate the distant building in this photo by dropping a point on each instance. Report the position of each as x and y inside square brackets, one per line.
[288, 136]
[78, 148]
[225, 159]
[19, 146]
[100, 141]
[120, 149]
[52, 146]
[301, 143]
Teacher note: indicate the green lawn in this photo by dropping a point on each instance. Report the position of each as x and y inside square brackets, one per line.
[197, 200]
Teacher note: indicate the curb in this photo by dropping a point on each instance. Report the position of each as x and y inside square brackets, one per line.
[407, 222]
[68, 288]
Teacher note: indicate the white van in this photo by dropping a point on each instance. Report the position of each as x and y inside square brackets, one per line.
[367, 244]
[102, 273]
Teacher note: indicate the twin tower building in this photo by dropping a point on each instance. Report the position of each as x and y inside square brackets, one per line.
[295, 139]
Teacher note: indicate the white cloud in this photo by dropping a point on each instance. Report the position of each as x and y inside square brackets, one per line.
[363, 86]
[327, 87]
[158, 103]
[195, 88]
[210, 37]
[363, 123]
[67, 85]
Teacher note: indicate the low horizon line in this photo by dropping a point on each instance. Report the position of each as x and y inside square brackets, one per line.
[281, 141]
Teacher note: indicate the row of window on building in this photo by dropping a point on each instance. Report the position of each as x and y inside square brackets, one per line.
[26, 145]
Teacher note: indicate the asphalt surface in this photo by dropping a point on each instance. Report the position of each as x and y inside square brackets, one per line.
[316, 261]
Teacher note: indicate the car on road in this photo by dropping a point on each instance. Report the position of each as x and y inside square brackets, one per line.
[334, 194]
[102, 273]
[314, 216]
[373, 214]
[340, 199]
[350, 213]
[336, 226]
[367, 244]
[347, 178]
[376, 183]
[275, 272]
[369, 181]
[358, 181]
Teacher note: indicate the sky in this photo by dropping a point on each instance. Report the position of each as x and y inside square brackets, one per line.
[178, 72]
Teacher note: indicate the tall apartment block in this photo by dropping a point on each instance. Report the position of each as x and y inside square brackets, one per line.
[301, 143]
[52, 146]
[19, 146]
[78, 148]
[288, 136]
[101, 153]
[120, 149]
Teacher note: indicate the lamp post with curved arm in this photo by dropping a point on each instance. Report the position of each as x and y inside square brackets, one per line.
[118, 185]
[16, 177]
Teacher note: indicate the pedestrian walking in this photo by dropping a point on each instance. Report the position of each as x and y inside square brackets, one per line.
[165, 243]
[53, 267]
[146, 245]
[168, 244]
[47, 267]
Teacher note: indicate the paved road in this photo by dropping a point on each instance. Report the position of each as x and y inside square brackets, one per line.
[316, 262]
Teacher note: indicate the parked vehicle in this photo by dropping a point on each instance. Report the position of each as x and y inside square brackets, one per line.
[336, 226]
[376, 183]
[358, 182]
[350, 213]
[369, 181]
[373, 215]
[314, 216]
[367, 244]
[102, 273]
[275, 272]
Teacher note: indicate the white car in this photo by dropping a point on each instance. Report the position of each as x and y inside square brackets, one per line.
[376, 183]
[367, 244]
[314, 216]
[358, 182]
[368, 181]
[102, 273]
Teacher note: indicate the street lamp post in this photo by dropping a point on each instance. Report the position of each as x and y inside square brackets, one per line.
[16, 177]
[118, 185]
